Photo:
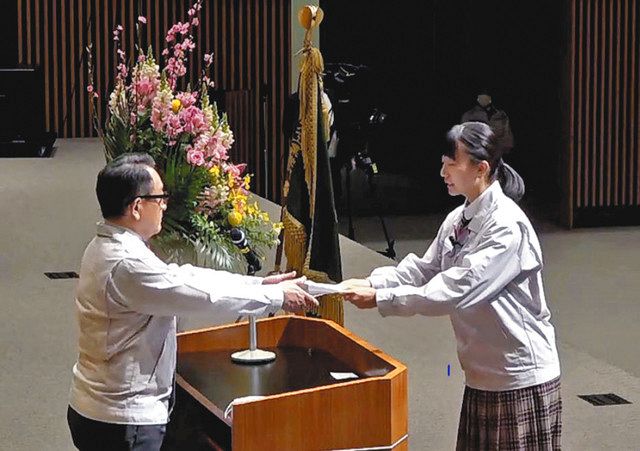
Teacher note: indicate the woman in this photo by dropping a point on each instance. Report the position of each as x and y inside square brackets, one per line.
[484, 270]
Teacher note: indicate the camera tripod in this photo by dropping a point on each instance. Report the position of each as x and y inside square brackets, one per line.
[371, 170]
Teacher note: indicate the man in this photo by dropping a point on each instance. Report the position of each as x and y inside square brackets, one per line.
[127, 299]
[485, 111]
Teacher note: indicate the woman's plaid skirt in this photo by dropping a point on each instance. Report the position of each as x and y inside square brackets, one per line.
[524, 419]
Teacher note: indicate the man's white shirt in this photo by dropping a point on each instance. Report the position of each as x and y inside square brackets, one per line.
[126, 300]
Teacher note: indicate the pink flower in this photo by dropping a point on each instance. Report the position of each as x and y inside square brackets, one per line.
[174, 127]
[119, 28]
[216, 151]
[236, 170]
[187, 98]
[145, 89]
[207, 81]
[158, 115]
[175, 69]
[193, 120]
[212, 150]
[188, 44]
[122, 71]
[226, 139]
[89, 88]
[195, 22]
[142, 19]
[195, 157]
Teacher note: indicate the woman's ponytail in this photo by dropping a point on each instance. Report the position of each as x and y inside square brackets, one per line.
[510, 181]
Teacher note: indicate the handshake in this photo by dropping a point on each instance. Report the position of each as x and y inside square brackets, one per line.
[299, 293]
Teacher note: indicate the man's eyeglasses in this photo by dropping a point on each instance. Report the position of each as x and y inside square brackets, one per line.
[164, 197]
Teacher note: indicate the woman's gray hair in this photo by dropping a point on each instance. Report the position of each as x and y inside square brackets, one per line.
[480, 143]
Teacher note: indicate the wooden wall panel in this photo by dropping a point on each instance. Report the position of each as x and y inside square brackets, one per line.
[249, 38]
[604, 119]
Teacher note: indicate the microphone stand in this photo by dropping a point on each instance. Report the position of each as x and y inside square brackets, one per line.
[253, 355]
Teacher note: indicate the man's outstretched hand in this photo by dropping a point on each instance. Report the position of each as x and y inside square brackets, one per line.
[295, 298]
[277, 278]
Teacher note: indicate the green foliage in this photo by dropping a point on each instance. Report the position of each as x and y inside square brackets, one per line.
[116, 138]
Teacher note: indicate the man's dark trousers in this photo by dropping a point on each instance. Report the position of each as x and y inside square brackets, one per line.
[93, 435]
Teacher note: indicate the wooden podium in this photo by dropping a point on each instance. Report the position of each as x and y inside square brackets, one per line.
[304, 407]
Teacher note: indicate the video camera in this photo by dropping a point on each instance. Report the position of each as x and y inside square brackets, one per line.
[356, 118]
[357, 121]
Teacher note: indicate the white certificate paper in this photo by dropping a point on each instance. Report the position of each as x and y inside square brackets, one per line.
[342, 376]
[320, 289]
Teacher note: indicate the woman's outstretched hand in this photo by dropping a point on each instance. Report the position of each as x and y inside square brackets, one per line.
[361, 297]
[355, 283]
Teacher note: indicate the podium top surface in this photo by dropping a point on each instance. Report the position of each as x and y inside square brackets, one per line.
[368, 411]
[220, 380]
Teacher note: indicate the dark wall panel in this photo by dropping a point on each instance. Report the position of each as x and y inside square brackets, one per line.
[8, 35]
[429, 62]
[604, 70]
[249, 38]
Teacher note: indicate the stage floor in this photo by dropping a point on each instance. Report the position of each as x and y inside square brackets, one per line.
[48, 216]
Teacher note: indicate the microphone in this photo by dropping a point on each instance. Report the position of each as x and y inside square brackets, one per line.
[240, 240]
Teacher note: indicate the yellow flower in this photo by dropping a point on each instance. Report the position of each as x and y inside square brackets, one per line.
[247, 181]
[234, 218]
[215, 171]
[176, 104]
[264, 216]
[278, 226]
[237, 195]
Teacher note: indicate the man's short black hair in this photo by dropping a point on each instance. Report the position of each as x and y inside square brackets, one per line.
[121, 181]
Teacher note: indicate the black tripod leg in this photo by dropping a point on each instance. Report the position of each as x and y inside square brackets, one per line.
[389, 252]
[348, 199]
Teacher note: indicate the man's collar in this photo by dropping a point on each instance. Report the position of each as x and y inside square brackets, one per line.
[111, 230]
[477, 210]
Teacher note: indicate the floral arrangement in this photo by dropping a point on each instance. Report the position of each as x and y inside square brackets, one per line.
[190, 141]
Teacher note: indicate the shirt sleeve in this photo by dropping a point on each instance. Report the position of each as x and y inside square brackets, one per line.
[215, 275]
[480, 276]
[169, 290]
[412, 270]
